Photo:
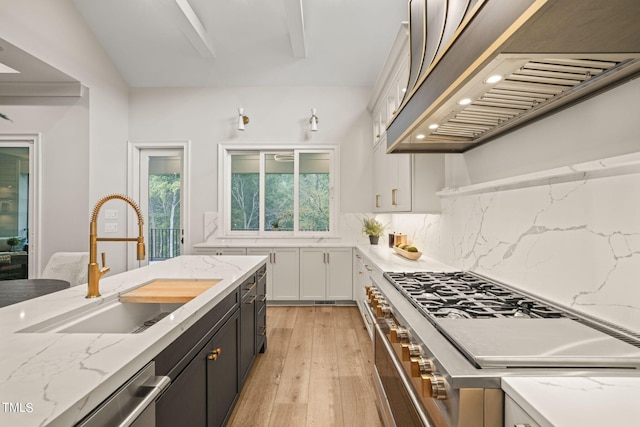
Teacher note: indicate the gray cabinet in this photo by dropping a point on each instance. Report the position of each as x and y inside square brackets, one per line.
[247, 326]
[209, 362]
[204, 392]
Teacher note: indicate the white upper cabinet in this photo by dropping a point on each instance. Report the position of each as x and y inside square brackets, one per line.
[401, 182]
[391, 85]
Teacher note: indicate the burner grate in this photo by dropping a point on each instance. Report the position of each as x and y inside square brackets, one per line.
[462, 295]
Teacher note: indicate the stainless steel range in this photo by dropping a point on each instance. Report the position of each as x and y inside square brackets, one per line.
[445, 339]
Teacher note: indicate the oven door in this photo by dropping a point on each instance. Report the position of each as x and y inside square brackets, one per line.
[396, 396]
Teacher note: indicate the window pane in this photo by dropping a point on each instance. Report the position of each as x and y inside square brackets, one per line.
[278, 198]
[314, 192]
[245, 192]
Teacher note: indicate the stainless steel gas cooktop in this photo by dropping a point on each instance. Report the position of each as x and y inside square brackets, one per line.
[496, 326]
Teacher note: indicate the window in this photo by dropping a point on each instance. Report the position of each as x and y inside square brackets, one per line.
[279, 192]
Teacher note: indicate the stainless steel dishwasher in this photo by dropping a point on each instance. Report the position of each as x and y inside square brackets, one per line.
[133, 404]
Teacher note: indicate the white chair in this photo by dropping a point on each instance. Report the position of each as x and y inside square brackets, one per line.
[69, 266]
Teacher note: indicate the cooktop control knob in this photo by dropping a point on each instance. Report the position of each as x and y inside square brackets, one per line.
[433, 386]
[383, 310]
[421, 366]
[400, 335]
[410, 351]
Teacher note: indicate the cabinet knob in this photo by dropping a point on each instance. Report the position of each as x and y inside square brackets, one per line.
[214, 354]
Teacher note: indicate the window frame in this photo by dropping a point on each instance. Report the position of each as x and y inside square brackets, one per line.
[226, 150]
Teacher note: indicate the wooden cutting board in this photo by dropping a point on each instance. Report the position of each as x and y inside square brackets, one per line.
[169, 290]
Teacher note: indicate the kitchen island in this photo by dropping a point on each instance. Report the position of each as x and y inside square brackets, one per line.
[56, 379]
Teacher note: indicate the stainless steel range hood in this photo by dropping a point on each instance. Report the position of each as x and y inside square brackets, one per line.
[549, 54]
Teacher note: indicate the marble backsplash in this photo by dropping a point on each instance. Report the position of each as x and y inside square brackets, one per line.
[571, 236]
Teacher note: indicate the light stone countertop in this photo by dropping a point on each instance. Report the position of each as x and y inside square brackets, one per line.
[55, 379]
[386, 259]
[577, 401]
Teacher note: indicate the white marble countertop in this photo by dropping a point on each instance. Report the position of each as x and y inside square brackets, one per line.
[386, 259]
[55, 379]
[577, 401]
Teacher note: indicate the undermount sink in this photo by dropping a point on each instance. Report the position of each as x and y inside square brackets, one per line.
[132, 312]
[115, 317]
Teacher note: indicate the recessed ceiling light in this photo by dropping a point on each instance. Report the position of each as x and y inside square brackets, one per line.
[493, 79]
[433, 126]
[420, 136]
[465, 101]
[404, 89]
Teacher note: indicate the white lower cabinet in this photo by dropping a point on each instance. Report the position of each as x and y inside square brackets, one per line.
[283, 272]
[326, 274]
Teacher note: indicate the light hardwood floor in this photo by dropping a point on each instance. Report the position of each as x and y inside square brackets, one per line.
[317, 371]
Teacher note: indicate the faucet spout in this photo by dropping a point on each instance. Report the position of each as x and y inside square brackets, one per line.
[95, 272]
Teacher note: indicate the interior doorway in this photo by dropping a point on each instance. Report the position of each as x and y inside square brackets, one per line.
[18, 207]
[159, 188]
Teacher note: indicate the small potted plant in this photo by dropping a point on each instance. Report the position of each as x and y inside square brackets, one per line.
[372, 228]
[13, 242]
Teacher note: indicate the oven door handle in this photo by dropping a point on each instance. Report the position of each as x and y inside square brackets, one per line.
[405, 381]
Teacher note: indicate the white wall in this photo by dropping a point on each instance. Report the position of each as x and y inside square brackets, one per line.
[208, 116]
[83, 158]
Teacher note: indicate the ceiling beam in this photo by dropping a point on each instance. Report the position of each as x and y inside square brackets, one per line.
[295, 23]
[187, 21]
[37, 89]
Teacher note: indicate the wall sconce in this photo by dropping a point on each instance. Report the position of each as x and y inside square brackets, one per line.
[313, 121]
[242, 119]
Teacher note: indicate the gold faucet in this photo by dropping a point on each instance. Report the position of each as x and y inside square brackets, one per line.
[95, 273]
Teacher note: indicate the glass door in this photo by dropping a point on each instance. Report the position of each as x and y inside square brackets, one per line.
[15, 207]
[161, 201]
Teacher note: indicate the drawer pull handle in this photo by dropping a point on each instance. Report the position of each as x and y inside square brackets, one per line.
[253, 285]
[252, 300]
[264, 331]
[214, 354]
[264, 298]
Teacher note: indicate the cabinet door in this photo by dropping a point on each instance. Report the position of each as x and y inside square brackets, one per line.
[221, 359]
[380, 198]
[185, 400]
[339, 274]
[400, 182]
[286, 274]
[313, 274]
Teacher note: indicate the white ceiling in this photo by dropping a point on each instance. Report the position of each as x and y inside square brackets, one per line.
[166, 43]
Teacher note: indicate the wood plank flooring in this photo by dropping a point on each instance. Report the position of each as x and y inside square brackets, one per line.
[317, 371]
